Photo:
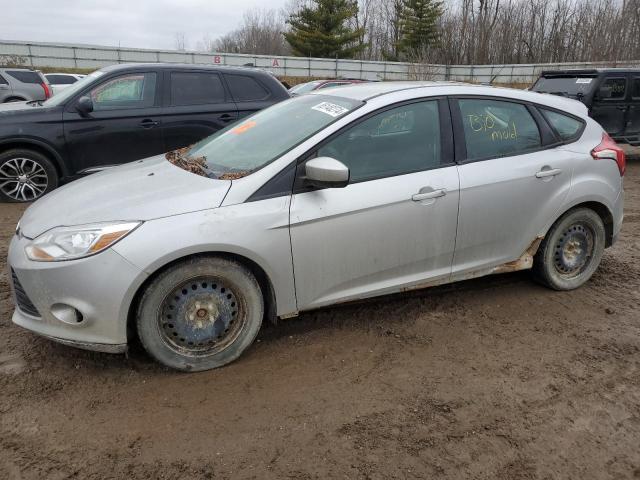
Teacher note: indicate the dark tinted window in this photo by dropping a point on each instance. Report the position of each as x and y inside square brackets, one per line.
[25, 76]
[636, 88]
[495, 128]
[193, 88]
[245, 89]
[136, 90]
[567, 127]
[565, 85]
[401, 140]
[614, 88]
[61, 79]
[3, 81]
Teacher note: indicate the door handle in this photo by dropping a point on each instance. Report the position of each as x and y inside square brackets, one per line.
[418, 197]
[148, 123]
[226, 118]
[550, 172]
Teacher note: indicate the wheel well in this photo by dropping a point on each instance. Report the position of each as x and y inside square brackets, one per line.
[36, 148]
[266, 286]
[604, 213]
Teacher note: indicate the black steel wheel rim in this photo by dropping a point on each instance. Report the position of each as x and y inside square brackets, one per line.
[23, 179]
[202, 316]
[574, 250]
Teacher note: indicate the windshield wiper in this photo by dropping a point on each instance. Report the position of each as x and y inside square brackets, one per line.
[33, 103]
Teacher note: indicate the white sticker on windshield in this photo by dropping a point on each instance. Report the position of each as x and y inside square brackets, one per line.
[330, 109]
[584, 80]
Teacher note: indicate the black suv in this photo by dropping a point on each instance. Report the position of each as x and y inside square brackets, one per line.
[612, 96]
[119, 114]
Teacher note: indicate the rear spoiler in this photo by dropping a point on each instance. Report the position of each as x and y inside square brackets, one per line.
[569, 73]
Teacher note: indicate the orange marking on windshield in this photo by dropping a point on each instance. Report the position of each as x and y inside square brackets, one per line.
[244, 127]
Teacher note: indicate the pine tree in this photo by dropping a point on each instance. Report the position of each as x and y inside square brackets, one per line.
[418, 25]
[322, 30]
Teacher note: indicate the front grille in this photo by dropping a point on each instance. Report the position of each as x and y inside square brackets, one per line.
[22, 299]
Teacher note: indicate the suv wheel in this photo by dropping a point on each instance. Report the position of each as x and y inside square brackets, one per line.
[25, 175]
[200, 314]
[571, 251]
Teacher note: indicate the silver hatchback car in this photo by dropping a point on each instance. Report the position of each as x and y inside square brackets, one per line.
[334, 196]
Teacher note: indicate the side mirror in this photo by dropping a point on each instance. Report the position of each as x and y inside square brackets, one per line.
[84, 106]
[326, 172]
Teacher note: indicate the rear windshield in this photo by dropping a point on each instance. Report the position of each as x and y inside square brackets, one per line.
[570, 85]
[25, 76]
[304, 87]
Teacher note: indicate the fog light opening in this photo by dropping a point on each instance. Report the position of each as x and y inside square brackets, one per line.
[67, 314]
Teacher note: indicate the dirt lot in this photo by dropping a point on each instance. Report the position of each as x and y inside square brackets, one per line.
[496, 378]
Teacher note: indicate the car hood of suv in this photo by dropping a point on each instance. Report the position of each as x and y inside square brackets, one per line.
[142, 190]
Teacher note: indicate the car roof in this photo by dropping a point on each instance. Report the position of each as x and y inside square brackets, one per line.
[368, 91]
[184, 66]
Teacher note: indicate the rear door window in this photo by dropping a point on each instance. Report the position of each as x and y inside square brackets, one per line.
[496, 128]
[614, 88]
[25, 76]
[195, 88]
[136, 90]
[245, 89]
[567, 127]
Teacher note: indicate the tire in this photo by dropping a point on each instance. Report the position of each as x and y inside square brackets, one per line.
[14, 99]
[571, 250]
[25, 175]
[200, 314]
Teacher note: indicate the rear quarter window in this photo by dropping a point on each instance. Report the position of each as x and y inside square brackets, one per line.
[246, 89]
[25, 76]
[568, 128]
[3, 81]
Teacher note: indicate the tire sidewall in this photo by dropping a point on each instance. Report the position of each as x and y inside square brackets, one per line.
[240, 279]
[49, 168]
[552, 276]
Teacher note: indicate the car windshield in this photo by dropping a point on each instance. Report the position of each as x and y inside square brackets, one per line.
[304, 87]
[256, 141]
[70, 91]
[571, 86]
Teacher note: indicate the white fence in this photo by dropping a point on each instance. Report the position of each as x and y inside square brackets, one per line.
[89, 56]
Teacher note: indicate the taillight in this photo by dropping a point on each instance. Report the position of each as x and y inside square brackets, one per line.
[609, 150]
[47, 92]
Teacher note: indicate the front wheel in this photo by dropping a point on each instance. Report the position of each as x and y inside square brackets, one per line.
[571, 251]
[25, 175]
[200, 314]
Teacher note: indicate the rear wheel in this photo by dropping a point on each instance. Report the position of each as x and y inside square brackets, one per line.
[25, 175]
[571, 251]
[200, 314]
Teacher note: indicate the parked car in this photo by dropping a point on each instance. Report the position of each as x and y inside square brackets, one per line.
[612, 96]
[321, 84]
[119, 114]
[21, 84]
[329, 197]
[60, 81]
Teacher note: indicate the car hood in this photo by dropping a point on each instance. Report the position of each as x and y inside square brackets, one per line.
[142, 190]
[23, 111]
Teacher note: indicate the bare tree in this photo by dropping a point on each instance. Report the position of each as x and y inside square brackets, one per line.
[180, 41]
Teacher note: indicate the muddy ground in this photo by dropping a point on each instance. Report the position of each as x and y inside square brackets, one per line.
[496, 378]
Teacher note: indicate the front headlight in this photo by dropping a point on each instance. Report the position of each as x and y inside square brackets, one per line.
[69, 243]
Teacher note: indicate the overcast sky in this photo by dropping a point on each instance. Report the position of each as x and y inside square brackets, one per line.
[130, 23]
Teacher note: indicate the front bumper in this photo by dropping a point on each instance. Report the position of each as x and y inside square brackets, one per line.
[84, 303]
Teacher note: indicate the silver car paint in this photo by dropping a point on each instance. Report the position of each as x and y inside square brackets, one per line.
[184, 220]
